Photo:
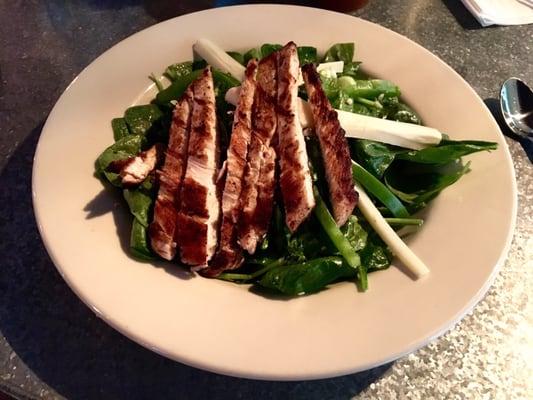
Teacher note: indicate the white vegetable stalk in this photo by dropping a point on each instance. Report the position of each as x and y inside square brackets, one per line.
[218, 58]
[409, 259]
[410, 136]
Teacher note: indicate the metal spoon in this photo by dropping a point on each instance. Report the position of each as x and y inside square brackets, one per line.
[516, 102]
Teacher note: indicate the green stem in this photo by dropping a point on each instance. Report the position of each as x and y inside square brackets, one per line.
[228, 276]
[379, 191]
[405, 221]
[368, 103]
[334, 233]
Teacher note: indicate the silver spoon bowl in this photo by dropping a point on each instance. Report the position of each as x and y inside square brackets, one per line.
[516, 102]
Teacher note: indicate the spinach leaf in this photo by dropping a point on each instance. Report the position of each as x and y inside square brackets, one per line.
[416, 185]
[447, 151]
[126, 147]
[139, 246]
[237, 57]
[330, 86]
[252, 53]
[269, 48]
[308, 277]
[120, 128]
[140, 201]
[352, 69]
[375, 157]
[178, 70]
[375, 256]
[307, 55]
[141, 118]
[307, 242]
[355, 233]
[176, 88]
[340, 52]
[199, 64]
[344, 102]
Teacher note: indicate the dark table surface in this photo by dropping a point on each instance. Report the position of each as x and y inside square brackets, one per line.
[52, 346]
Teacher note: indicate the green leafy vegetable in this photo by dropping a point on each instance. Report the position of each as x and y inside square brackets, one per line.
[307, 55]
[120, 128]
[354, 233]
[308, 277]
[139, 241]
[414, 185]
[368, 89]
[379, 190]
[252, 53]
[340, 52]
[141, 118]
[269, 48]
[237, 57]
[178, 70]
[176, 88]
[351, 69]
[122, 149]
[447, 151]
[140, 201]
[373, 156]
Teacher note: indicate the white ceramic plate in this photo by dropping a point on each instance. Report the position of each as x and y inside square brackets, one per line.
[223, 327]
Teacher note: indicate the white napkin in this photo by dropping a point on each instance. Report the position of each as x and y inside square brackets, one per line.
[501, 12]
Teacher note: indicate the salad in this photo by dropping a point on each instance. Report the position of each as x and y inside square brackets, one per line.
[278, 167]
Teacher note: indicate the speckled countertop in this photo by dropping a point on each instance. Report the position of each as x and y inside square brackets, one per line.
[52, 346]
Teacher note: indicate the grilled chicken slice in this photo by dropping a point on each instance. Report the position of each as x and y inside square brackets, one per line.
[295, 178]
[229, 254]
[258, 176]
[134, 170]
[198, 216]
[257, 212]
[162, 231]
[333, 146]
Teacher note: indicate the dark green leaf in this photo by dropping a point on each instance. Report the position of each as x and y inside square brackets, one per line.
[269, 48]
[416, 185]
[120, 128]
[237, 57]
[140, 201]
[355, 233]
[307, 54]
[344, 102]
[447, 151]
[375, 157]
[139, 246]
[340, 52]
[252, 53]
[375, 256]
[122, 149]
[352, 69]
[176, 89]
[141, 118]
[178, 70]
[198, 65]
[308, 277]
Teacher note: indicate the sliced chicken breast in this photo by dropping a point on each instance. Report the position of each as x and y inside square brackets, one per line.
[295, 178]
[333, 146]
[162, 231]
[229, 254]
[198, 217]
[258, 175]
[134, 170]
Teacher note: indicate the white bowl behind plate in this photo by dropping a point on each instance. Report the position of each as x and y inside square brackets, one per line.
[223, 327]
